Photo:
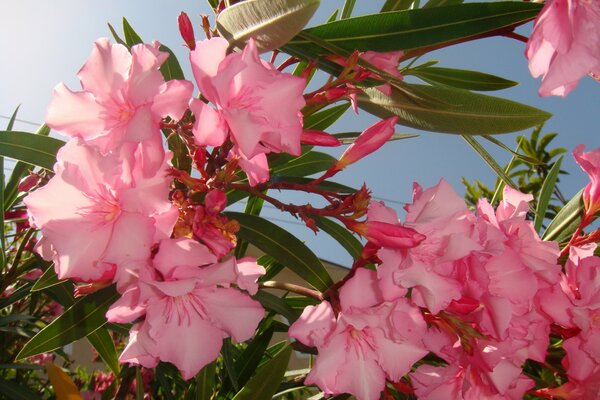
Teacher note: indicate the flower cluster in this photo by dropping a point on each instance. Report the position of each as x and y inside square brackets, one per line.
[469, 289]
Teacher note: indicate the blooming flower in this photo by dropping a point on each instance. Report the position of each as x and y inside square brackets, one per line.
[565, 44]
[188, 292]
[590, 163]
[369, 341]
[245, 91]
[124, 98]
[121, 212]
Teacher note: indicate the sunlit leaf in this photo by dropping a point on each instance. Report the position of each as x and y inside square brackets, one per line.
[467, 113]
[462, 79]
[30, 148]
[271, 23]
[566, 221]
[546, 194]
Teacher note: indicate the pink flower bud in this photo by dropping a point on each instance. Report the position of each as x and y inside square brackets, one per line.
[187, 30]
[318, 138]
[388, 235]
[370, 140]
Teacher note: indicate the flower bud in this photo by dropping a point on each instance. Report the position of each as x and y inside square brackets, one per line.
[319, 138]
[370, 140]
[187, 30]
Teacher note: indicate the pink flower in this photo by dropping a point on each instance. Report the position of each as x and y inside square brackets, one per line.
[565, 44]
[245, 91]
[98, 211]
[368, 342]
[124, 98]
[193, 296]
[590, 163]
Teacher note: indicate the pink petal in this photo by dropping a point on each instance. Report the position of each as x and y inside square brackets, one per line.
[314, 325]
[361, 291]
[205, 60]
[106, 69]
[248, 273]
[136, 351]
[173, 99]
[210, 129]
[76, 114]
[256, 168]
[361, 377]
[131, 238]
[232, 311]
[181, 252]
[397, 358]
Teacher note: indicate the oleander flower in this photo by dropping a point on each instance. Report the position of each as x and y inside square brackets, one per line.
[565, 44]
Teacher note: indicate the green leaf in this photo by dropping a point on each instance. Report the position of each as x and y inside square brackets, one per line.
[487, 157]
[325, 185]
[105, 346]
[439, 3]
[419, 28]
[253, 207]
[307, 164]
[79, 320]
[248, 361]
[341, 235]
[396, 5]
[461, 79]
[466, 114]
[116, 36]
[271, 23]
[567, 220]
[324, 119]
[15, 391]
[131, 37]
[20, 169]
[347, 10]
[546, 194]
[205, 382]
[517, 155]
[30, 148]
[17, 295]
[48, 279]
[277, 305]
[266, 381]
[284, 247]
[227, 353]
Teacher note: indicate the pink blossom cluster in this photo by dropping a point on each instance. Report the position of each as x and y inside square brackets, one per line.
[470, 287]
[565, 45]
[110, 214]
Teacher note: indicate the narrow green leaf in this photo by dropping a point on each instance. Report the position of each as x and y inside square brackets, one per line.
[333, 15]
[248, 361]
[17, 295]
[347, 9]
[48, 279]
[205, 382]
[81, 319]
[350, 137]
[307, 164]
[131, 37]
[33, 149]
[253, 207]
[397, 5]
[20, 169]
[277, 305]
[467, 113]
[487, 157]
[546, 194]
[567, 220]
[524, 158]
[439, 3]
[266, 381]
[419, 28]
[324, 119]
[325, 185]
[116, 36]
[272, 267]
[170, 69]
[461, 79]
[14, 391]
[509, 167]
[227, 353]
[341, 235]
[284, 247]
[139, 383]
[271, 23]
[105, 346]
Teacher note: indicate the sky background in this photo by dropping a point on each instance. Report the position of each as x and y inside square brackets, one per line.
[43, 43]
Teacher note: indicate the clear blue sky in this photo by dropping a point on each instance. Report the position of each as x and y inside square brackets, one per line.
[44, 43]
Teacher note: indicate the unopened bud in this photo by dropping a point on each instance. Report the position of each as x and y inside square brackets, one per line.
[319, 138]
[370, 140]
[187, 30]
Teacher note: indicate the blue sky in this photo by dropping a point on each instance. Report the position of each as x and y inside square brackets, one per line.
[44, 43]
